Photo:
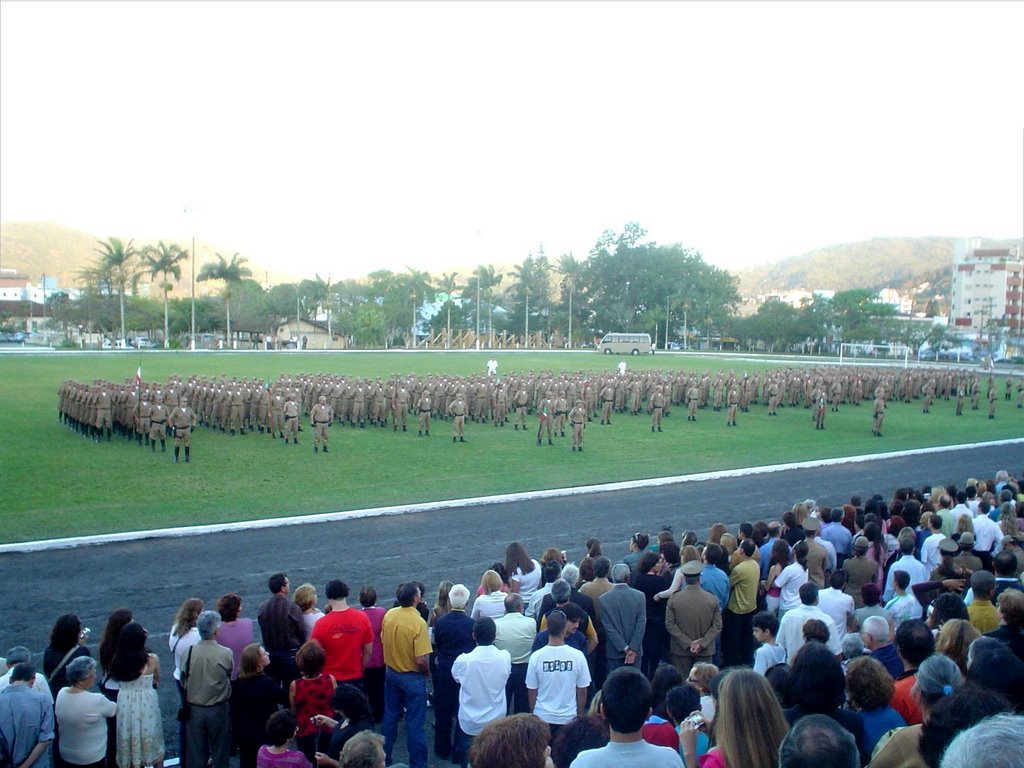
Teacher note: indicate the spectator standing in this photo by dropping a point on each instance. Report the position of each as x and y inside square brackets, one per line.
[906, 562]
[345, 635]
[837, 604]
[712, 578]
[309, 696]
[407, 658]
[453, 636]
[914, 643]
[625, 704]
[903, 606]
[19, 654]
[817, 740]
[737, 621]
[693, 620]
[769, 652]
[235, 632]
[182, 637]
[791, 578]
[254, 698]
[982, 612]
[860, 570]
[352, 710]
[624, 617]
[870, 690]
[207, 682]
[83, 716]
[136, 672]
[791, 627]
[283, 628]
[482, 675]
[373, 673]
[557, 677]
[876, 632]
[515, 633]
[280, 730]
[26, 719]
[67, 642]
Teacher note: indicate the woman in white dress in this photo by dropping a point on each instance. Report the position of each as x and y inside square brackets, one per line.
[140, 733]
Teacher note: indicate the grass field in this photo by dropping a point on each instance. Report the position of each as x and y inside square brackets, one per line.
[54, 483]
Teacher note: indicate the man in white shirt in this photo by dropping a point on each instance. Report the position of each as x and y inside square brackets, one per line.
[837, 604]
[988, 536]
[515, 633]
[961, 509]
[19, 654]
[930, 554]
[625, 705]
[482, 673]
[791, 629]
[907, 562]
[557, 678]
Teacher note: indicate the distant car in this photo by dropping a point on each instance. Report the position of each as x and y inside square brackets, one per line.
[674, 345]
[142, 342]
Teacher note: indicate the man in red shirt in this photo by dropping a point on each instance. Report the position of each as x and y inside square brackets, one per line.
[346, 636]
[914, 643]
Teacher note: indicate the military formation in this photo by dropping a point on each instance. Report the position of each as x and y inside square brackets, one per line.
[150, 413]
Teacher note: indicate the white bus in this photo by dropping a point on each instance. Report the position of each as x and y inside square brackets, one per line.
[626, 344]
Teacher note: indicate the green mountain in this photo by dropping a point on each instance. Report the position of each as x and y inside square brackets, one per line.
[883, 262]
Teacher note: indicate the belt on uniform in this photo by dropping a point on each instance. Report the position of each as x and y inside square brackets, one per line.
[323, 422]
[161, 421]
[424, 410]
[291, 417]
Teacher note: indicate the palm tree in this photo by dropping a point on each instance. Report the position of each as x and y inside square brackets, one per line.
[488, 278]
[164, 260]
[571, 269]
[418, 284]
[449, 286]
[231, 272]
[117, 263]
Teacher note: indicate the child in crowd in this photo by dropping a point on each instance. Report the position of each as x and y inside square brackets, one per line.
[700, 678]
[281, 729]
[309, 696]
[902, 607]
[770, 653]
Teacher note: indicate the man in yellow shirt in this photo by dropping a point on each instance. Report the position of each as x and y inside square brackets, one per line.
[407, 661]
[738, 619]
[983, 614]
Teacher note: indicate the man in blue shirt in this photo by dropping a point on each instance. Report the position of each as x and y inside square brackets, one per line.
[26, 719]
[712, 578]
[834, 532]
[774, 534]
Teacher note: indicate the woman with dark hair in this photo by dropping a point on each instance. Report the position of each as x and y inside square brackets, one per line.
[791, 578]
[108, 687]
[817, 685]
[655, 638]
[593, 548]
[353, 716]
[716, 532]
[876, 548]
[579, 735]
[659, 729]
[850, 518]
[373, 673]
[779, 559]
[254, 698]
[235, 632]
[140, 732]
[956, 713]
[67, 642]
[523, 571]
[310, 695]
[944, 608]
[996, 668]
[516, 741]
[870, 688]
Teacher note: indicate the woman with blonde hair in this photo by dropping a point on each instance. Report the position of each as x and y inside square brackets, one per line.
[183, 636]
[491, 601]
[305, 598]
[964, 524]
[442, 606]
[744, 697]
[955, 640]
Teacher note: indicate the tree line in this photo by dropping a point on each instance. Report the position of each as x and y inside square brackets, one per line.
[625, 283]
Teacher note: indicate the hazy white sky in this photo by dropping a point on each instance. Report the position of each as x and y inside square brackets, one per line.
[343, 138]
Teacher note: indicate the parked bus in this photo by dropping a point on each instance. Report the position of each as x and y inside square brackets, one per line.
[626, 344]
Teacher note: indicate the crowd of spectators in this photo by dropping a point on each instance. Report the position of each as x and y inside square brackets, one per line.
[888, 633]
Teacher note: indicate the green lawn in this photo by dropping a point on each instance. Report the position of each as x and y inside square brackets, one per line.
[54, 483]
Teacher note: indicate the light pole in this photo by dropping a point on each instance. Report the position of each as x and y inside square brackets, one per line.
[477, 312]
[192, 327]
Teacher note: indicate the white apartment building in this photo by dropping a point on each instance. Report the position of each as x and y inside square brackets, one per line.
[987, 284]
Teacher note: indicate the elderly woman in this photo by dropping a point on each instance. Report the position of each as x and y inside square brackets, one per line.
[82, 716]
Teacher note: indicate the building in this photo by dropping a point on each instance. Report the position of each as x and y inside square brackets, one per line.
[987, 285]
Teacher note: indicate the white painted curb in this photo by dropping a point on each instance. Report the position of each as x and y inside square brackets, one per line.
[328, 517]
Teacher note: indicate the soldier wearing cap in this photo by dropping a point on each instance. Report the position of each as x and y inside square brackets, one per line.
[182, 420]
[948, 567]
[693, 619]
[967, 559]
[457, 410]
[818, 569]
[878, 412]
[291, 418]
[860, 570]
[321, 415]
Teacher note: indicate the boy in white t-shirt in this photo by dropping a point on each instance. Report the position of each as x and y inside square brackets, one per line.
[902, 607]
[557, 677]
[770, 653]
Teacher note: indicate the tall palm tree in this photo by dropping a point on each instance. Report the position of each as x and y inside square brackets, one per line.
[164, 260]
[449, 285]
[118, 262]
[488, 279]
[571, 270]
[418, 284]
[232, 273]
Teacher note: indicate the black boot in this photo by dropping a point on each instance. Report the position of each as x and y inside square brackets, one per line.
[325, 449]
[152, 446]
[315, 449]
[188, 450]
[177, 450]
[163, 446]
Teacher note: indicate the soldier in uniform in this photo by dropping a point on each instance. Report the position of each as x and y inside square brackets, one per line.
[819, 413]
[928, 392]
[773, 397]
[545, 417]
[733, 402]
[692, 401]
[520, 402]
[400, 413]
[423, 407]
[993, 393]
[158, 424]
[878, 412]
[561, 411]
[657, 406]
[578, 422]
[142, 423]
[103, 422]
[960, 400]
[607, 399]
[457, 410]
[291, 419]
[500, 405]
[182, 420]
[321, 417]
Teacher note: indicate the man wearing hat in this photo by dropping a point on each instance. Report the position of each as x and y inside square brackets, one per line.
[322, 415]
[693, 619]
[967, 559]
[860, 570]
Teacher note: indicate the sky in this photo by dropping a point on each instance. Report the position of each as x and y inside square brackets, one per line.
[342, 138]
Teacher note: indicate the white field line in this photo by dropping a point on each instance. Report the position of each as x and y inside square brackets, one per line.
[405, 509]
